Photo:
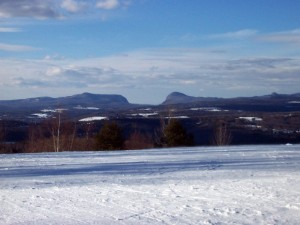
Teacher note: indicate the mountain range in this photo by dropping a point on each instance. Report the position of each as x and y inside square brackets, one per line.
[180, 98]
[104, 103]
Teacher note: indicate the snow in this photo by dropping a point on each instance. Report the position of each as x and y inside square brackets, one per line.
[208, 109]
[200, 185]
[40, 115]
[86, 108]
[53, 110]
[177, 117]
[146, 109]
[94, 118]
[251, 118]
[48, 110]
[253, 126]
[145, 114]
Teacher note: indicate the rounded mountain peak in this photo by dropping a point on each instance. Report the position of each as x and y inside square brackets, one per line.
[176, 94]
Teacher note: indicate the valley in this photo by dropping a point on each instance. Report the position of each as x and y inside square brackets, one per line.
[270, 119]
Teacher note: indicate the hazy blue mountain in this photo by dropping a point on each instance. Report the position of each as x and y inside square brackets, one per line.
[180, 98]
[85, 99]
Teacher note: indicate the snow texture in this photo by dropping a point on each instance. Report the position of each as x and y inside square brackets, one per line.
[201, 185]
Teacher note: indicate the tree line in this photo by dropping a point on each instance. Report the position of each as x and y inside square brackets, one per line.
[55, 135]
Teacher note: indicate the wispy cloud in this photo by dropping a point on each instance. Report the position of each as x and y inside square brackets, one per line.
[240, 34]
[9, 30]
[16, 48]
[290, 37]
[112, 4]
[108, 4]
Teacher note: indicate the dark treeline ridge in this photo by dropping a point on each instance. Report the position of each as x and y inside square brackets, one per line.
[60, 134]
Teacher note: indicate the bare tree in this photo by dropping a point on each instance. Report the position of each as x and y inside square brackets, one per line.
[2, 131]
[55, 130]
[67, 135]
[222, 136]
[52, 135]
[2, 134]
[138, 141]
[40, 137]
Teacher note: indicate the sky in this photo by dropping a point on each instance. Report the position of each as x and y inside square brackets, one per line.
[146, 49]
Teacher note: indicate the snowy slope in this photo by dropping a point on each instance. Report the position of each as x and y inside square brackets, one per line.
[226, 185]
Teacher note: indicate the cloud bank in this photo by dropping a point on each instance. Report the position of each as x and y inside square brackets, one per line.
[290, 37]
[28, 8]
[54, 9]
[157, 71]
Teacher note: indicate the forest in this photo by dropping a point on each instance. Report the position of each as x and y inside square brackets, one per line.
[60, 133]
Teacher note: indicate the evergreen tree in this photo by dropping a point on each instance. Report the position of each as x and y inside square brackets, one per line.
[175, 135]
[110, 137]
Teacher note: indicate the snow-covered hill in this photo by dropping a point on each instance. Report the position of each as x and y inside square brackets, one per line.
[226, 185]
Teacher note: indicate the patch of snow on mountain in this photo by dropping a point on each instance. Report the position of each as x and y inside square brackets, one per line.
[86, 108]
[54, 110]
[48, 110]
[94, 118]
[144, 114]
[40, 115]
[146, 109]
[177, 117]
[250, 118]
[207, 109]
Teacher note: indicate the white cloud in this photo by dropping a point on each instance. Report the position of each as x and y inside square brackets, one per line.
[54, 9]
[16, 48]
[240, 34]
[54, 71]
[53, 57]
[40, 9]
[108, 4]
[9, 30]
[291, 37]
[73, 6]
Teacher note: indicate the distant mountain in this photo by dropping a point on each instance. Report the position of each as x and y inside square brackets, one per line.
[80, 105]
[95, 99]
[84, 100]
[180, 98]
[280, 96]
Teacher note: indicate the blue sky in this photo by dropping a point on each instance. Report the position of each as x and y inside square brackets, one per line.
[145, 49]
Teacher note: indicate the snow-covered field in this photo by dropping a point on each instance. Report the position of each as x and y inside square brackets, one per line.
[202, 185]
